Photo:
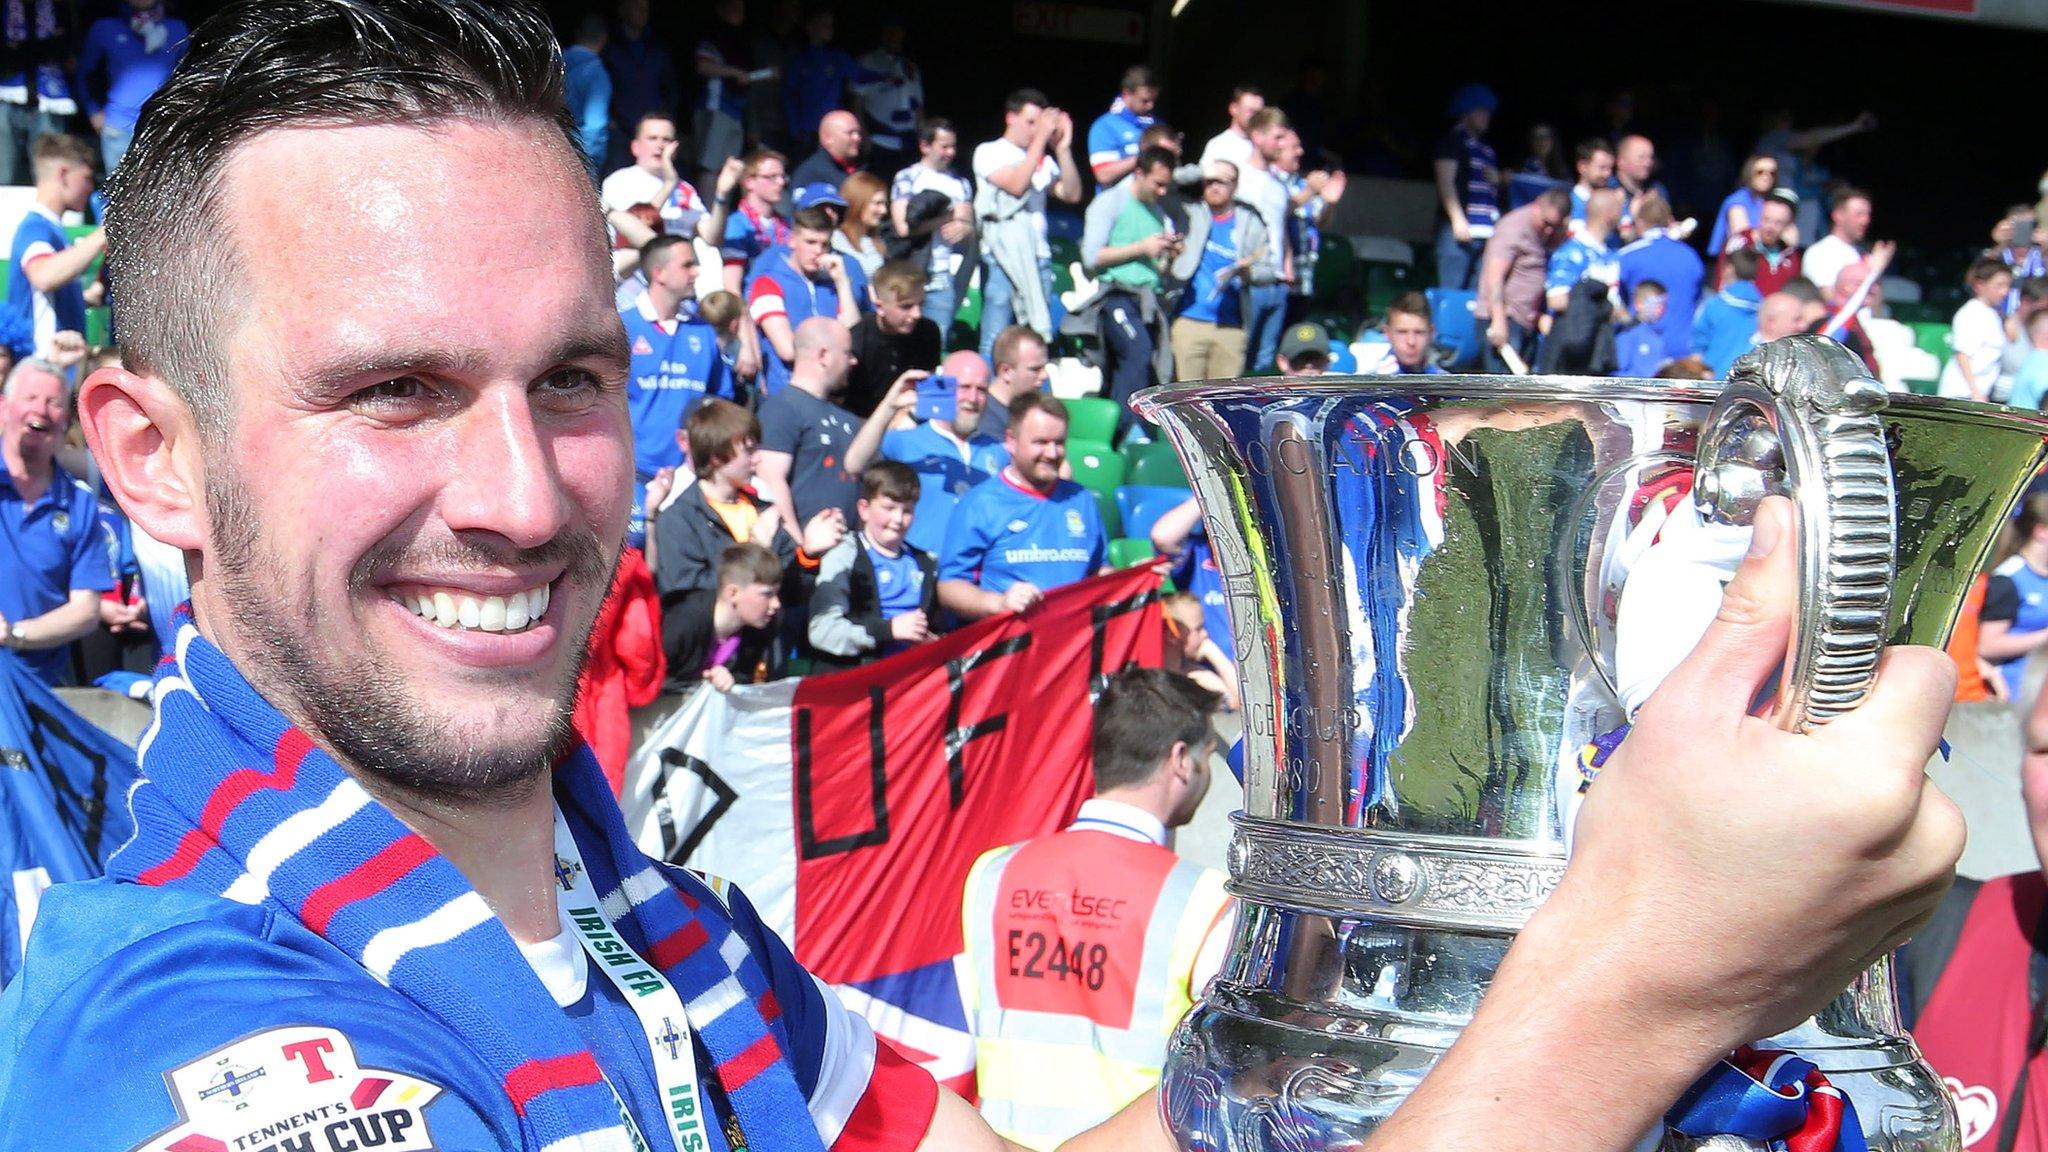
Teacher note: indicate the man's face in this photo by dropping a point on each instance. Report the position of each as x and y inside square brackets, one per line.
[1288, 158]
[653, 138]
[1306, 364]
[1019, 125]
[898, 313]
[1596, 170]
[970, 399]
[938, 155]
[678, 274]
[1852, 220]
[1649, 306]
[765, 185]
[807, 248]
[1777, 316]
[755, 604]
[839, 135]
[1154, 183]
[75, 184]
[1141, 100]
[1038, 446]
[836, 359]
[1190, 799]
[1551, 216]
[1267, 142]
[1218, 191]
[1637, 158]
[1244, 108]
[1028, 372]
[885, 519]
[416, 513]
[37, 415]
[1410, 336]
[1847, 282]
[1771, 225]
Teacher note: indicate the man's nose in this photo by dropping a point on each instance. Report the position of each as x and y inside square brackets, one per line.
[504, 479]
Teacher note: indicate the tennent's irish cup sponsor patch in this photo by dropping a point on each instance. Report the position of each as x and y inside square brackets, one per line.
[295, 1089]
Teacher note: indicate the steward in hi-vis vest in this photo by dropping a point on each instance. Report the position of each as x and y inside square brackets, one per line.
[1087, 946]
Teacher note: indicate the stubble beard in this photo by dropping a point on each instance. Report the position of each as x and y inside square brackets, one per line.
[360, 707]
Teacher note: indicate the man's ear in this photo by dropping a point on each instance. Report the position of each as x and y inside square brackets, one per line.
[1182, 761]
[147, 446]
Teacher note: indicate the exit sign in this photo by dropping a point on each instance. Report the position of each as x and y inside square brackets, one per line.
[1079, 22]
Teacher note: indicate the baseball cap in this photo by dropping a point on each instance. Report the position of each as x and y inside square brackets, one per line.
[1472, 98]
[1305, 338]
[813, 195]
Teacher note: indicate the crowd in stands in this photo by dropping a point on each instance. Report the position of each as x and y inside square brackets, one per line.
[844, 319]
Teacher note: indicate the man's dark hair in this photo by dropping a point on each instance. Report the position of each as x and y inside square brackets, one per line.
[1157, 157]
[1410, 304]
[1139, 717]
[813, 219]
[1590, 148]
[1559, 199]
[747, 564]
[1656, 286]
[1023, 98]
[592, 30]
[1806, 291]
[1241, 91]
[1010, 340]
[173, 268]
[1135, 77]
[661, 114]
[654, 253]
[1653, 211]
[1031, 402]
[1984, 268]
[891, 478]
[715, 430]
[930, 129]
[1160, 134]
[1843, 195]
[1744, 262]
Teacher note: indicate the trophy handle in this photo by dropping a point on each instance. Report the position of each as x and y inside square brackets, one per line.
[1799, 418]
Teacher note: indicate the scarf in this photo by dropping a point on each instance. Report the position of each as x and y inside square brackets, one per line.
[239, 803]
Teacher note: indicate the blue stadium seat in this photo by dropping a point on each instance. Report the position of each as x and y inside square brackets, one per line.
[1451, 310]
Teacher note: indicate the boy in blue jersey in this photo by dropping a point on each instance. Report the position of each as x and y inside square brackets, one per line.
[1410, 333]
[1114, 138]
[1027, 531]
[1639, 347]
[877, 594]
[46, 271]
[788, 286]
[676, 363]
[950, 456]
[1659, 254]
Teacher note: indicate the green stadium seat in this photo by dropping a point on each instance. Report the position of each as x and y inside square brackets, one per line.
[1129, 551]
[1096, 466]
[1112, 519]
[1933, 337]
[1153, 463]
[98, 326]
[1092, 418]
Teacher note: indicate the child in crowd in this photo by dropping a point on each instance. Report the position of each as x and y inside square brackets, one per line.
[876, 594]
[1978, 333]
[699, 521]
[725, 634]
[723, 310]
[2030, 385]
[1639, 348]
[1189, 650]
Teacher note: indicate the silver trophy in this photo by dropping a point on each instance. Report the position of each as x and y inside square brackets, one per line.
[1442, 588]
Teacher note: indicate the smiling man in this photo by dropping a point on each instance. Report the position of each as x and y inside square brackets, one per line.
[379, 896]
[53, 556]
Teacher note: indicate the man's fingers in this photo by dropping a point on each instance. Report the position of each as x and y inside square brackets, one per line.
[1746, 641]
[1915, 686]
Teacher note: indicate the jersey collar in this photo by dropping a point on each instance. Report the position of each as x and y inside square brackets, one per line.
[1119, 819]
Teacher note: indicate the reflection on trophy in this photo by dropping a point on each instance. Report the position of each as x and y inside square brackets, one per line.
[1445, 590]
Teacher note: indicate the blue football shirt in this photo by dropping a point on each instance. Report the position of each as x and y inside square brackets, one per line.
[1002, 534]
[946, 470]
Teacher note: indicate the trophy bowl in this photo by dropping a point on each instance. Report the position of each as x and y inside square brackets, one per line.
[1442, 589]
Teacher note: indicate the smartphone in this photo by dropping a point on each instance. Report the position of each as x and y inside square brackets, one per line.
[2023, 232]
[938, 398]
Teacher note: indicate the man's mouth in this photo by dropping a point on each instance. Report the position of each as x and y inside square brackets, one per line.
[37, 424]
[456, 609]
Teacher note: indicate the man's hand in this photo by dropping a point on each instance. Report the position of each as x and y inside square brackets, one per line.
[729, 175]
[65, 348]
[1739, 875]
[668, 163]
[902, 395]
[1333, 188]
[719, 677]
[1461, 230]
[1047, 127]
[95, 293]
[1880, 257]
[955, 231]
[834, 265]
[658, 489]
[1497, 330]
[99, 121]
[824, 532]
[118, 616]
[94, 241]
[911, 627]
[1021, 597]
[1158, 245]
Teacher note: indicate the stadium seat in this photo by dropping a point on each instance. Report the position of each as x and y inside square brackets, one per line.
[1096, 466]
[1129, 551]
[1092, 418]
[1112, 521]
[1451, 310]
[1934, 337]
[1143, 504]
[1153, 463]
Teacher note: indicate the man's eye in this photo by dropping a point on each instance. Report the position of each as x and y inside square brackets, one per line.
[388, 393]
[571, 386]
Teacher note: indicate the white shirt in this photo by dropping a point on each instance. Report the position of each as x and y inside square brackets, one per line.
[1979, 338]
[636, 185]
[1264, 192]
[999, 154]
[1824, 261]
[1229, 145]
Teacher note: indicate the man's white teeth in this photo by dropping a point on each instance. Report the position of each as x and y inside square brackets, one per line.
[513, 613]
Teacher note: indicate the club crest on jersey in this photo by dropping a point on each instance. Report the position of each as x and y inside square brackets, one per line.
[641, 347]
[293, 1089]
[1074, 525]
